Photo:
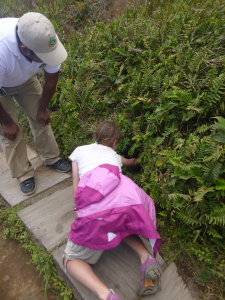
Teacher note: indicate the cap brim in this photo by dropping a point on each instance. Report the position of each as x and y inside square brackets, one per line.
[54, 57]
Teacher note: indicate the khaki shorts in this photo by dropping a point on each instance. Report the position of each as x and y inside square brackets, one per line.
[73, 251]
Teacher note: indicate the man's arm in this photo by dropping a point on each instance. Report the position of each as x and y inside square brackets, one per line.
[49, 88]
[9, 127]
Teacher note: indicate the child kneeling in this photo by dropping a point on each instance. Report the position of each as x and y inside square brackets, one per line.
[110, 208]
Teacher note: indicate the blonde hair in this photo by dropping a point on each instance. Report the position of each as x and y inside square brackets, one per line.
[107, 133]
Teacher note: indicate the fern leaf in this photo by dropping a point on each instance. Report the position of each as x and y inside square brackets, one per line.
[215, 156]
[220, 184]
[189, 219]
[202, 128]
[214, 233]
[212, 171]
[175, 196]
[191, 107]
[217, 216]
[201, 192]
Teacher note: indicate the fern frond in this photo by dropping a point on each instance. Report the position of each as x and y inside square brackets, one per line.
[215, 156]
[220, 126]
[175, 196]
[217, 216]
[212, 171]
[202, 129]
[197, 109]
[189, 115]
[220, 184]
[201, 192]
[214, 233]
[189, 218]
[216, 90]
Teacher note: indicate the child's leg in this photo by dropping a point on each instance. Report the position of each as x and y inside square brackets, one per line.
[83, 272]
[138, 246]
[150, 269]
[76, 260]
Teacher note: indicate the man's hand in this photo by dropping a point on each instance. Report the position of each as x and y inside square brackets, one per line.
[10, 130]
[49, 87]
[43, 116]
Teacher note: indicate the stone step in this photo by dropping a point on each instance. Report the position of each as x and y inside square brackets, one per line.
[45, 179]
[49, 219]
[119, 268]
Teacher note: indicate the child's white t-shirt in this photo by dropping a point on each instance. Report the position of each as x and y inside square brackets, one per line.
[91, 156]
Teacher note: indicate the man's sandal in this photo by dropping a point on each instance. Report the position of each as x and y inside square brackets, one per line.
[150, 277]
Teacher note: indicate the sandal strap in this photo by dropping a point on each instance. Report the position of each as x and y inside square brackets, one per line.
[149, 260]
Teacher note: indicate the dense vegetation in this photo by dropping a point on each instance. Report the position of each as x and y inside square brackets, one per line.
[159, 72]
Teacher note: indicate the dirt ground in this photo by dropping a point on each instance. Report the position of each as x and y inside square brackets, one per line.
[19, 280]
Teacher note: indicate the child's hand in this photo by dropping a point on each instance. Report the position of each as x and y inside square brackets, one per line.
[129, 162]
[133, 162]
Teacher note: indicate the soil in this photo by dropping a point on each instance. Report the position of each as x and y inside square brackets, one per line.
[18, 279]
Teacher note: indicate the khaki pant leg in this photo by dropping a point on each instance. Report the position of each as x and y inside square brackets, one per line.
[29, 97]
[15, 151]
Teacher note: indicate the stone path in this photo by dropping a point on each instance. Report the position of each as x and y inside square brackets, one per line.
[48, 217]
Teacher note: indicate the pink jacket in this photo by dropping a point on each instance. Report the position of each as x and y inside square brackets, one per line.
[110, 206]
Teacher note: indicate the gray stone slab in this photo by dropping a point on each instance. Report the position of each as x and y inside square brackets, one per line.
[49, 219]
[119, 268]
[45, 178]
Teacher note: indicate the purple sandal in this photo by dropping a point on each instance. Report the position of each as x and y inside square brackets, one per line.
[150, 277]
[113, 296]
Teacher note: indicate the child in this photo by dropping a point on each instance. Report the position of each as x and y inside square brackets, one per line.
[110, 208]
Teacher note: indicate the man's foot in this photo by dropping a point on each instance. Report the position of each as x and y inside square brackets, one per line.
[150, 277]
[28, 186]
[113, 296]
[61, 166]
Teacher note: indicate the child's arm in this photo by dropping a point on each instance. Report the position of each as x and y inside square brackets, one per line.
[129, 162]
[76, 178]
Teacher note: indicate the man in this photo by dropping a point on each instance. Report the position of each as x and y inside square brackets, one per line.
[27, 45]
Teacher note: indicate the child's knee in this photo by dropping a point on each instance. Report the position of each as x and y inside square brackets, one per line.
[73, 251]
